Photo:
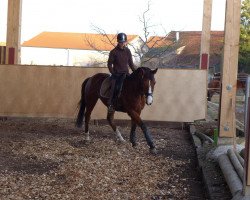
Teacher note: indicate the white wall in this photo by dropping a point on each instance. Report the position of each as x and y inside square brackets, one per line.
[66, 57]
[136, 46]
[70, 57]
[43, 56]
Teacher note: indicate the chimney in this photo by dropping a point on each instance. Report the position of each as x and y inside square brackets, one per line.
[177, 36]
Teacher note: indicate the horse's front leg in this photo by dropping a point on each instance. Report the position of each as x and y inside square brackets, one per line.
[132, 133]
[110, 118]
[137, 119]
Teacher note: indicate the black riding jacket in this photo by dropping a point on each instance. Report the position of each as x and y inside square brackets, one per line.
[119, 60]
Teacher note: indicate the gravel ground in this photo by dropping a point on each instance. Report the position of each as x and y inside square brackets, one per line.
[48, 159]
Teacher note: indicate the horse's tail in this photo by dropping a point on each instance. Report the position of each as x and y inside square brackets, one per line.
[80, 116]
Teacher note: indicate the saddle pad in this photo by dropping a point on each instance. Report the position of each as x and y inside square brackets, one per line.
[105, 88]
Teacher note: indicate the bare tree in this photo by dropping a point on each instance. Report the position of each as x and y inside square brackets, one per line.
[158, 45]
[154, 50]
[107, 38]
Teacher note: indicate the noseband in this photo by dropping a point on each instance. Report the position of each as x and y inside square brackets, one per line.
[148, 94]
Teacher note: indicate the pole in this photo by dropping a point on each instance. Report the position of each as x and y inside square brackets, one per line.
[246, 181]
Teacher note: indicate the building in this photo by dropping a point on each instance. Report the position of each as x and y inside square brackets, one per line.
[181, 49]
[73, 49]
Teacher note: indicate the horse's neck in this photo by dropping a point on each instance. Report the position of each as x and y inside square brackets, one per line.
[134, 85]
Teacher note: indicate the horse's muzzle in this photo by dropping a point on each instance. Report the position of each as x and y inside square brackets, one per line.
[149, 99]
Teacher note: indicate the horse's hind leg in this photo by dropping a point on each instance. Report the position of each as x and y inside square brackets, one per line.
[132, 134]
[89, 108]
[110, 118]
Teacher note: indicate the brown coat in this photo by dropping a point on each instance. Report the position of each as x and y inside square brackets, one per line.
[120, 60]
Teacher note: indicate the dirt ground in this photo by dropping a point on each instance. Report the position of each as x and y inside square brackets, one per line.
[48, 159]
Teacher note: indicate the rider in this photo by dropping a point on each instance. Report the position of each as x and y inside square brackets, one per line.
[120, 59]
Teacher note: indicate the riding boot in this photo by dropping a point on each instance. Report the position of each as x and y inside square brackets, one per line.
[111, 98]
[120, 84]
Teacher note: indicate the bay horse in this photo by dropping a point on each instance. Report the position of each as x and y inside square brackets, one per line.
[214, 86]
[137, 90]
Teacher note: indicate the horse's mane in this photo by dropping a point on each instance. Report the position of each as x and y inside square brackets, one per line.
[135, 73]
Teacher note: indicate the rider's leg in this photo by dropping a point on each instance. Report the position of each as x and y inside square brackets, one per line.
[120, 83]
[112, 94]
[116, 87]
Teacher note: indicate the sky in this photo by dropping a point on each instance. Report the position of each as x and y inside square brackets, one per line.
[112, 16]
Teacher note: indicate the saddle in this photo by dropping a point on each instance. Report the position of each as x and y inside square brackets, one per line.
[105, 88]
[105, 92]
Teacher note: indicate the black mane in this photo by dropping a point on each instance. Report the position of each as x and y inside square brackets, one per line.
[138, 70]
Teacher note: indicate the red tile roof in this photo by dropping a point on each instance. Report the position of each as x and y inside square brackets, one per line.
[157, 41]
[191, 40]
[190, 55]
[84, 41]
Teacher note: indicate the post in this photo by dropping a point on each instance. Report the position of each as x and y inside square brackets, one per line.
[246, 180]
[205, 36]
[229, 71]
[13, 47]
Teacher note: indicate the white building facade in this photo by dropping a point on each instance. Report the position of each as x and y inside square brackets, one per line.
[45, 50]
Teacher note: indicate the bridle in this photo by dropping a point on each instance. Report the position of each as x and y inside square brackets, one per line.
[147, 76]
[149, 94]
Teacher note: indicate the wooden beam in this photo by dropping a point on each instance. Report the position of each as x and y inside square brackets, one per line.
[229, 70]
[205, 36]
[13, 47]
[246, 181]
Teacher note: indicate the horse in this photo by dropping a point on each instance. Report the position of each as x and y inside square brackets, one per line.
[137, 90]
[215, 84]
[213, 87]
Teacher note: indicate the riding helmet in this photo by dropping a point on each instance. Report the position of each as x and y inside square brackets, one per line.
[121, 37]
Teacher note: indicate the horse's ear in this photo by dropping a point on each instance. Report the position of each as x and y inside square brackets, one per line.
[154, 71]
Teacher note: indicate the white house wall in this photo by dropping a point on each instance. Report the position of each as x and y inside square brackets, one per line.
[136, 44]
[43, 56]
[66, 57]
[71, 57]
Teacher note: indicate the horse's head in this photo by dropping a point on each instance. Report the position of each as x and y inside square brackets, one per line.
[147, 78]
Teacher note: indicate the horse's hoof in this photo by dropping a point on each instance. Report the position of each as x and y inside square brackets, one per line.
[134, 145]
[87, 141]
[153, 151]
[121, 141]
